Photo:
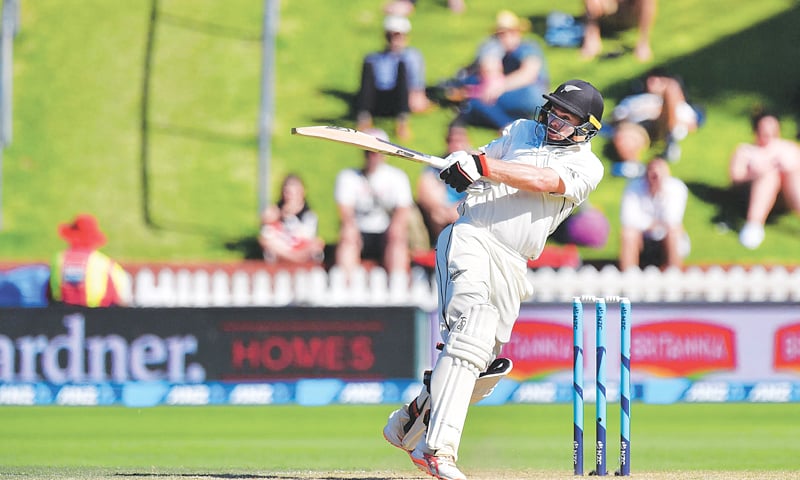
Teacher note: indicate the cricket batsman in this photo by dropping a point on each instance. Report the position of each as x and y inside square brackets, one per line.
[520, 187]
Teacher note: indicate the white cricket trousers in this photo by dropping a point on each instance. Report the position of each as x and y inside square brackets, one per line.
[497, 274]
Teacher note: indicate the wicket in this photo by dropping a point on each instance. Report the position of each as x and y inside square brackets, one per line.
[600, 397]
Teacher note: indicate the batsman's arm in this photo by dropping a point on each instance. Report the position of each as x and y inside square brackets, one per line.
[525, 177]
[465, 168]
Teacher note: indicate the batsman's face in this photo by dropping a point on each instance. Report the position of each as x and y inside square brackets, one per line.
[560, 124]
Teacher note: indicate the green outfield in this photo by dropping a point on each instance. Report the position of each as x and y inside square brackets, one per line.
[344, 442]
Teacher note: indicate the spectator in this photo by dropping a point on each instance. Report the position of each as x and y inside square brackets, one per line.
[660, 113]
[437, 200]
[508, 78]
[289, 228]
[651, 215]
[81, 274]
[392, 80]
[767, 167]
[374, 205]
[618, 15]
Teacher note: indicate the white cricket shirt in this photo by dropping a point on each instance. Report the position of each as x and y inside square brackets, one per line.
[520, 219]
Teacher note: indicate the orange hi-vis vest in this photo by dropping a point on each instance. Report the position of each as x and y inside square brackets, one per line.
[84, 277]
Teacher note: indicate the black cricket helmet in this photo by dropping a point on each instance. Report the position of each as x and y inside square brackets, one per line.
[581, 99]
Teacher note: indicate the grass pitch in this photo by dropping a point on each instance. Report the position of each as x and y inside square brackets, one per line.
[732, 441]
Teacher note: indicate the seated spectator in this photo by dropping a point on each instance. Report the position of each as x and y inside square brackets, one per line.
[769, 166]
[660, 113]
[507, 79]
[392, 80]
[618, 15]
[651, 216]
[289, 228]
[82, 275]
[374, 204]
[438, 201]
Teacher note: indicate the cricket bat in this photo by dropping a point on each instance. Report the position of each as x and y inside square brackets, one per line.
[367, 142]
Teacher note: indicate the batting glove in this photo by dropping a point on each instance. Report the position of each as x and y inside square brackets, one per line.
[464, 169]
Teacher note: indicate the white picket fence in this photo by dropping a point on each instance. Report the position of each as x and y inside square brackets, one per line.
[178, 287]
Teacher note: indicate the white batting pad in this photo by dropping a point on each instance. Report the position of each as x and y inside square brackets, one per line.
[467, 352]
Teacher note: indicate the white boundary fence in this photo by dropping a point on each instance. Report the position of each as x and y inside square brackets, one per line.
[184, 287]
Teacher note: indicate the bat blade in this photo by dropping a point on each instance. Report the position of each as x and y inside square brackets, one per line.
[367, 142]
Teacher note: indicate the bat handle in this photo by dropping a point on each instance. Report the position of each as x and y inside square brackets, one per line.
[437, 162]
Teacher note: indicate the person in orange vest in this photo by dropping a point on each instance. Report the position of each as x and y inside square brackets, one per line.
[81, 274]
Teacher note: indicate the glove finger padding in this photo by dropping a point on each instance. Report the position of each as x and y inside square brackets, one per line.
[464, 169]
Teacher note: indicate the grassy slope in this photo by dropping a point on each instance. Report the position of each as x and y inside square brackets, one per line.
[79, 78]
[681, 437]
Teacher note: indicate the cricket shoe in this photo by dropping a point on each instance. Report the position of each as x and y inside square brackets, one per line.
[442, 467]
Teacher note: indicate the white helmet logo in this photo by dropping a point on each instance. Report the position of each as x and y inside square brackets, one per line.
[570, 88]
